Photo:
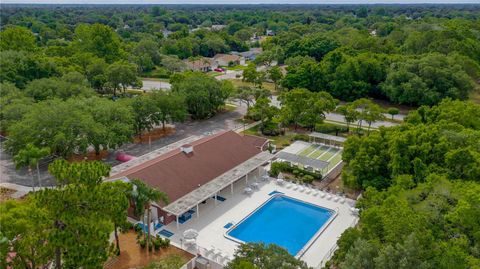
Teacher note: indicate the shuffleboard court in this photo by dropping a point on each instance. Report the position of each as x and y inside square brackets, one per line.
[328, 154]
[318, 152]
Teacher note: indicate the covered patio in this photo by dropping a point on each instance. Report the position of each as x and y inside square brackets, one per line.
[190, 203]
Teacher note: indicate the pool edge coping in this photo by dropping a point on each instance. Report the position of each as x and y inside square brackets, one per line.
[308, 244]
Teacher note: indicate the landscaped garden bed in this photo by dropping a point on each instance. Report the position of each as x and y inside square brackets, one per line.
[294, 173]
[134, 256]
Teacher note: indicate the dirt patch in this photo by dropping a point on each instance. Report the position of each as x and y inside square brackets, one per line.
[336, 186]
[154, 135]
[91, 156]
[6, 194]
[133, 256]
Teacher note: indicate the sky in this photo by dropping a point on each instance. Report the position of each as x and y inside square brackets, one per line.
[239, 1]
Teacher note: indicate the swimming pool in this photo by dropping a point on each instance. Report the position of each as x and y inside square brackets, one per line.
[285, 221]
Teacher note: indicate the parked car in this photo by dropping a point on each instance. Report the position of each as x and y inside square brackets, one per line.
[219, 69]
[123, 157]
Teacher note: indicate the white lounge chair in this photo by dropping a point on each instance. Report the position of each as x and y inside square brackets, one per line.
[288, 186]
[336, 199]
[309, 190]
[342, 200]
[247, 190]
[295, 187]
[301, 189]
[315, 192]
[322, 194]
[329, 197]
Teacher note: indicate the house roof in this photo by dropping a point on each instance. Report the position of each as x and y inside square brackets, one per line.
[178, 174]
[199, 63]
[227, 57]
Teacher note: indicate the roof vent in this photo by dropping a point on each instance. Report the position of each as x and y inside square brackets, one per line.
[187, 149]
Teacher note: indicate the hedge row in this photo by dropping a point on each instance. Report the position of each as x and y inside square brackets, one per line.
[302, 174]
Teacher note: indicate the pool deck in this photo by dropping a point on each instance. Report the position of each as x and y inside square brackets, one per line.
[212, 219]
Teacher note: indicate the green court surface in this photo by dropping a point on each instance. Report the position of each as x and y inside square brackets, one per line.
[318, 152]
[336, 159]
[308, 150]
[328, 154]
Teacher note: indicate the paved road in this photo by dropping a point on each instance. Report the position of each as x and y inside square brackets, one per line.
[230, 74]
[150, 84]
[222, 121]
[339, 118]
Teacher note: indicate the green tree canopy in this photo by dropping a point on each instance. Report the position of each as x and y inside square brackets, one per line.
[204, 95]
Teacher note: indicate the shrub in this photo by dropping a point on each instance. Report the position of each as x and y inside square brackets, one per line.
[277, 167]
[308, 179]
[157, 243]
[165, 243]
[302, 137]
[159, 72]
[329, 128]
[271, 129]
[142, 242]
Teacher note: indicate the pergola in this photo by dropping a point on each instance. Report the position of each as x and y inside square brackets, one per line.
[211, 188]
[326, 139]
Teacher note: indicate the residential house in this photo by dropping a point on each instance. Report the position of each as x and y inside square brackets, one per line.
[228, 60]
[203, 64]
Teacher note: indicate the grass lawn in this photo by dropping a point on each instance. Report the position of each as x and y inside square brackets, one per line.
[475, 96]
[157, 79]
[266, 85]
[280, 141]
[214, 74]
[237, 67]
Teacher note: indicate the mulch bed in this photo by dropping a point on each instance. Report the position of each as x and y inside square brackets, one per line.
[154, 135]
[133, 256]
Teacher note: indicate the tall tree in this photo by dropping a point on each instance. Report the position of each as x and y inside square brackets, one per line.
[204, 95]
[27, 229]
[120, 75]
[275, 74]
[30, 157]
[17, 38]
[259, 255]
[78, 208]
[143, 196]
[98, 39]
[171, 107]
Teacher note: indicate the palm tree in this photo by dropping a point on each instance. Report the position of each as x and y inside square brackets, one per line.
[143, 196]
[30, 157]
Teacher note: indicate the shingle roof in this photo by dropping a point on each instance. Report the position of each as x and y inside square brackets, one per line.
[227, 57]
[177, 173]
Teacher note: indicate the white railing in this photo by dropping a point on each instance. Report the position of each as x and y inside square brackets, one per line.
[332, 250]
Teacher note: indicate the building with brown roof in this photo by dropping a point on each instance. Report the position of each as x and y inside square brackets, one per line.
[202, 64]
[228, 59]
[198, 170]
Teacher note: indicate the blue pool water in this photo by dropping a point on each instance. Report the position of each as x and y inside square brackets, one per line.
[284, 221]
